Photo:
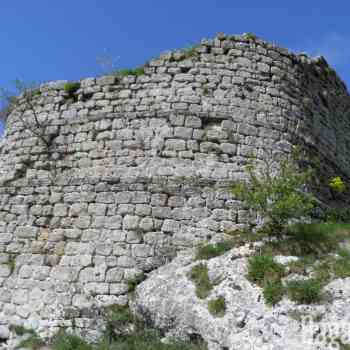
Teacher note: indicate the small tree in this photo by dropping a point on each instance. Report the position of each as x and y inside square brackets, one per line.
[276, 191]
[24, 103]
[26, 94]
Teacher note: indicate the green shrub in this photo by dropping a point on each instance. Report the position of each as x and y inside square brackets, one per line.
[209, 251]
[135, 281]
[273, 292]
[262, 269]
[65, 341]
[199, 275]
[337, 184]
[276, 194]
[71, 88]
[217, 307]
[304, 291]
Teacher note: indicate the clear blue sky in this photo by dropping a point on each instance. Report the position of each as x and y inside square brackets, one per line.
[45, 40]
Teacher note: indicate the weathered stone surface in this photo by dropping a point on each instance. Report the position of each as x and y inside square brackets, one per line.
[168, 299]
[139, 167]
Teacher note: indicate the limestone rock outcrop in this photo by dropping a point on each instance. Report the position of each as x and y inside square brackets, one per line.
[168, 300]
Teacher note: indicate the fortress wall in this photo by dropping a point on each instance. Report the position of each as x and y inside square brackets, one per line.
[137, 168]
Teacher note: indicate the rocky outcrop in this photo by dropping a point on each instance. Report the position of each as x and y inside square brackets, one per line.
[168, 300]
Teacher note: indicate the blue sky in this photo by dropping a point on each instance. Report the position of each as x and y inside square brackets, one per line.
[49, 40]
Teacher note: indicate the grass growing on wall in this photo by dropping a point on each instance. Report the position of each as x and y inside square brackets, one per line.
[129, 71]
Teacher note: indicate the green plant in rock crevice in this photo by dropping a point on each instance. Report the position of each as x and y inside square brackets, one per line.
[217, 306]
[209, 251]
[66, 341]
[135, 281]
[129, 71]
[273, 292]
[199, 275]
[12, 262]
[71, 88]
[304, 291]
[263, 268]
[117, 318]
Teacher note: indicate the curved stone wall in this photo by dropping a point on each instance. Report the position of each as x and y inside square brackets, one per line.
[114, 178]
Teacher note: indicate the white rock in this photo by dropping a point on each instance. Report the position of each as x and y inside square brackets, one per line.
[168, 299]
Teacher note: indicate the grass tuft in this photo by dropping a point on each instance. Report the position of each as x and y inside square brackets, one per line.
[213, 250]
[262, 268]
[217, 307]
[199, 275]
[71, 88]
[273, 292]
[304, 291]
[65, 341]
[129, 71]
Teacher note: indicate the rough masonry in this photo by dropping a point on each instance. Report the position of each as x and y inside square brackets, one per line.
[114, 178]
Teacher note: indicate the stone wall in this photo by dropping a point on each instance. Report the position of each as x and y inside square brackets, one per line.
[119, 175]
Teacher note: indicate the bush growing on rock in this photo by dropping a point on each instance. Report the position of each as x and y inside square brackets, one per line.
[217, 306]
[199, 275]
[304, 291]
[273, 292]
[209, 251]
[276, 192]
[71, 88]
[263, 268]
